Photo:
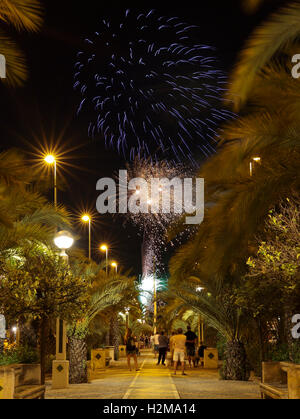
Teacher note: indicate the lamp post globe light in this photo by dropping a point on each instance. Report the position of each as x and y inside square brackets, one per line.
[63, 240]
[60, 366]
[115, 265]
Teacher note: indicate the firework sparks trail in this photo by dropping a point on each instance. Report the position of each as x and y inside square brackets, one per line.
[149, 89]
[154, 224]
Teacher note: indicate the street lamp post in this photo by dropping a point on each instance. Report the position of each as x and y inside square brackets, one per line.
[104, 248]
[154, 296]
[60, 366]
[200, 321]
[87, 219]
[115, 265]
[254, 159]
[127, 317]
[50, 159]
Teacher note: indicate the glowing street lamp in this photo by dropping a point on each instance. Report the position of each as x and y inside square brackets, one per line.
[63, 240]
[87, 219]
[254, 159]
[50, 159]
[104, 248]
[115, 265]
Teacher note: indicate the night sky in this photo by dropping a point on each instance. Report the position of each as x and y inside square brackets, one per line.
[45, 109]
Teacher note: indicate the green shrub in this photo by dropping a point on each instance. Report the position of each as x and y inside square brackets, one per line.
[295, 352]
[20, 355]
[9, 357]
[253, 355]
[282, 352]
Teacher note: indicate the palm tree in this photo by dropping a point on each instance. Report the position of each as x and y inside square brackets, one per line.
[267, 42]
[23, 15]
[238, 203]
[128, 301]
[105, 292]
[216, 304]
[27, 216]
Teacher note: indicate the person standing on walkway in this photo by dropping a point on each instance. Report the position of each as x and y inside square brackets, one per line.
[162, 348]
[152, 342]
[200, 357]
[190, 344]
[156, 344]
[179, 350]
[130, 343]
[171, 342]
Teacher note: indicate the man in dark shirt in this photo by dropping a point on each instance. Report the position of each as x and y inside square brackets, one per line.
[190, 344]
[200, 356]
[163, 347]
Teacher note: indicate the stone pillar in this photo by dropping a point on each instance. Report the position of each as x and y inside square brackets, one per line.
[294, 381]
[7, 383]
[110, 352]
[211, 360]
[122, 351]
[60, 366]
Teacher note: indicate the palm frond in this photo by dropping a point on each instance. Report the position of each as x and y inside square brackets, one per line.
[251, 6]
[280, 30]
[16, 68]
[22, 14]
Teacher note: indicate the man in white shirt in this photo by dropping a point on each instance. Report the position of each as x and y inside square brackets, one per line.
[152, 341]
[178, 342]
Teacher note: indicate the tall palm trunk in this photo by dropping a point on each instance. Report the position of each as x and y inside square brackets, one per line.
[107, 343]
[261, 340]
[43, 332]
[235, 363]
[114, 335]
[78, 360]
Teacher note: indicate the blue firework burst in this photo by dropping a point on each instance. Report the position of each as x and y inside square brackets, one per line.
[149, 89]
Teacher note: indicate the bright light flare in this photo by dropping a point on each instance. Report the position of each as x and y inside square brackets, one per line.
[86, 218]
[50, 159]
[63, 240]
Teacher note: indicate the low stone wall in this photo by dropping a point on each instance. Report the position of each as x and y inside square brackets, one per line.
[15, 376]
[280, 380]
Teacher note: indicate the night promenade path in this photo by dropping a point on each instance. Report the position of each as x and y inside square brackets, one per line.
[156, 382]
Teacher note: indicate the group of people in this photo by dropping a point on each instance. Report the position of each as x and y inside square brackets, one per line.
[144, 342]
[180, 346]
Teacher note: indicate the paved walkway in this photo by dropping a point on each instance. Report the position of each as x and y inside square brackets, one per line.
[152, 382]
[156, 382]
